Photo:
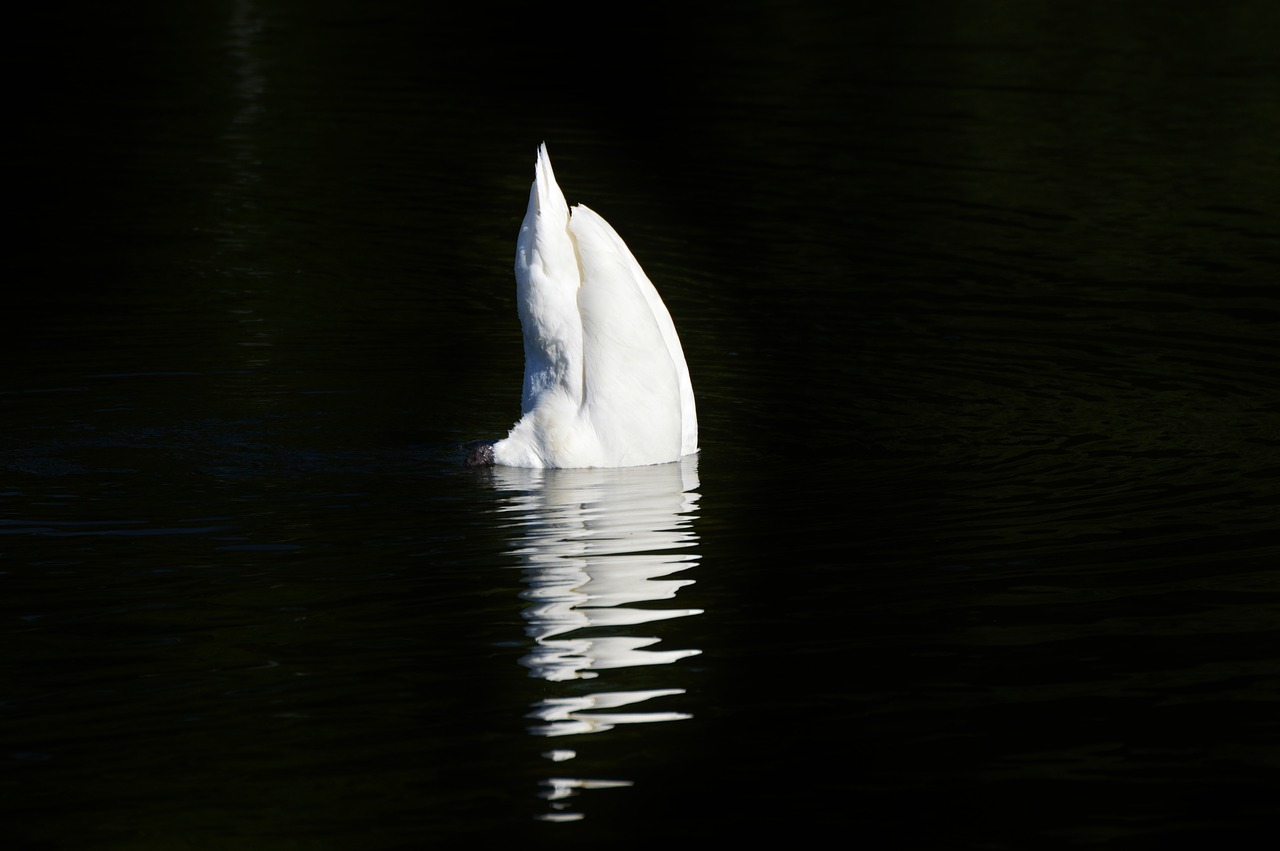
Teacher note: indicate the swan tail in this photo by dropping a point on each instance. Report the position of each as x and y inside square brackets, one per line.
[547, 282]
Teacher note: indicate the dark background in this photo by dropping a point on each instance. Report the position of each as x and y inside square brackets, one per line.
[979, 303]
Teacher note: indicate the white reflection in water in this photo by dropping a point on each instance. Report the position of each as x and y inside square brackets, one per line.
[599, 548]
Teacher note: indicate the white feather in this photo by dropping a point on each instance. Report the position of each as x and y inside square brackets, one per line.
[605, 380]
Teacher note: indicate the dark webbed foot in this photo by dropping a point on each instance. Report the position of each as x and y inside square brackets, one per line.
[480, 455]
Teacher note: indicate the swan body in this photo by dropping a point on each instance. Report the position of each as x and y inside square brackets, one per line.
[605, 380]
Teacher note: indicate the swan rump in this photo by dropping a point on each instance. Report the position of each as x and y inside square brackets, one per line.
[605, 380]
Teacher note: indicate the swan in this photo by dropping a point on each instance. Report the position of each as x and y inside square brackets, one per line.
[605, 380]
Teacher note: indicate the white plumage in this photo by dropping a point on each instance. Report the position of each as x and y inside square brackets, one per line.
[605, 380]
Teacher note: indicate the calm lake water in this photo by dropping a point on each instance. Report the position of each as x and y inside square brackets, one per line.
[980, 306]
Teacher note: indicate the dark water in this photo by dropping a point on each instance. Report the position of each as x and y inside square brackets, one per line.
[981, 548]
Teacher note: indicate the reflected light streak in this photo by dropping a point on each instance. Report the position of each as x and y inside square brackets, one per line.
[599, 548]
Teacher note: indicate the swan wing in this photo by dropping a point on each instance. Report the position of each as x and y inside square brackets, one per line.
[600, 246]
[634, 381]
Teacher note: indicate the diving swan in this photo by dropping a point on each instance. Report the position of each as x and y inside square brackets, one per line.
[605, 382]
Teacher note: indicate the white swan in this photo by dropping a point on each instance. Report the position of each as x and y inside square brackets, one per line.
[605, 381]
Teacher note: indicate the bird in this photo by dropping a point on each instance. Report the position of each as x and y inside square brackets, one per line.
[605, 378]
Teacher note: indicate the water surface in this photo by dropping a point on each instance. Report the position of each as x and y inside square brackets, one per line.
[980, 310]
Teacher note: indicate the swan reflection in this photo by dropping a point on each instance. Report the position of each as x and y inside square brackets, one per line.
[603, 552]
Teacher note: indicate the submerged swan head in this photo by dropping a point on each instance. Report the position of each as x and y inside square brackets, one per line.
[605, 380]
